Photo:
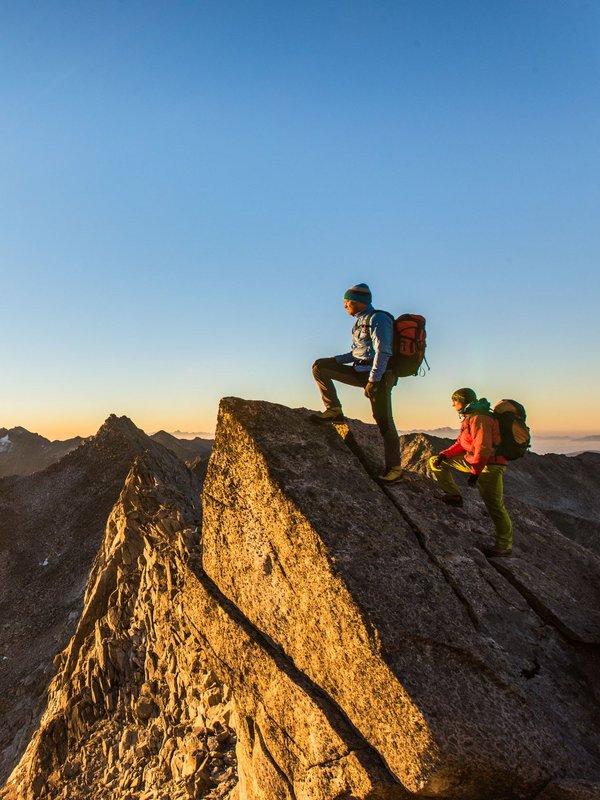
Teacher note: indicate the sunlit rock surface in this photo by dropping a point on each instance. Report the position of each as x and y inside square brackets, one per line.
[470, 678]
[305, 634]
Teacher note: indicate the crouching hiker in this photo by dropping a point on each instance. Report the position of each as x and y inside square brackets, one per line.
[366, 366]
[474, 453]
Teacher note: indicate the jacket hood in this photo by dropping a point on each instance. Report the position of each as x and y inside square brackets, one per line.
[481, 406]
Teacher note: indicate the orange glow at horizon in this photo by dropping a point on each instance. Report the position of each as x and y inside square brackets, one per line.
[84, 425]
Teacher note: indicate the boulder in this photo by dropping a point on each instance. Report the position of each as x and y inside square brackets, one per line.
[469, 679]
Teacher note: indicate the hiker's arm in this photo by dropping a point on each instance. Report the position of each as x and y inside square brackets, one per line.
[483, 446]
[382, 336]
[455, 449]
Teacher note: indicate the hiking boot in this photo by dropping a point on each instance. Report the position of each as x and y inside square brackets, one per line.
[452, 500]
[334, 414]
[393, 475]
[496, 552]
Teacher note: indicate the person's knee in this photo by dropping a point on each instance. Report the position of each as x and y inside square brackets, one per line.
[435, 465]
[323, 362]
[317, 367]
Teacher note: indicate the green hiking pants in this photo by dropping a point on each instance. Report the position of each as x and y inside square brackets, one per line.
[491, 487]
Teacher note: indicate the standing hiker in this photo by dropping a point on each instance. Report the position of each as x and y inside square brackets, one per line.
[474, 453]
[365, 365]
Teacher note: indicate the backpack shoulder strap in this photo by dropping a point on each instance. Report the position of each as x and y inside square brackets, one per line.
[379, 311]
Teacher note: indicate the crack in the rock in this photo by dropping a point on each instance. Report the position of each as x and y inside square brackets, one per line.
[499, 594]
[350, 441]
[367, 755]
[336, 759]
[277, 560]
[468, 657]
[273, 762]
[547, 616]
[447, 576]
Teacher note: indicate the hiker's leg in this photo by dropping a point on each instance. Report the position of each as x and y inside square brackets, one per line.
[443, 473]
[491, 488]
[325, 371]
[382, 413]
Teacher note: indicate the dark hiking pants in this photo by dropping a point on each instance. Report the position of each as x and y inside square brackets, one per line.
[327, 370]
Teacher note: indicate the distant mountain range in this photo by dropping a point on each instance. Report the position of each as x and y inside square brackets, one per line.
[24, 453]
[444, 433]
[541, 443]
[192, 434]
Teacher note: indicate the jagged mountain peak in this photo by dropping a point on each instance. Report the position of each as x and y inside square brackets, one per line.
[51, 526]
[115, 424]
[164, 437]
[163, 432]
[118, 442]
[121, 435]
[192, 451]
[22, 430]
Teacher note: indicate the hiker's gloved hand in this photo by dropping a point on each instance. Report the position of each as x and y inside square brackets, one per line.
[437, 461]
[371, 390]
[472, 480]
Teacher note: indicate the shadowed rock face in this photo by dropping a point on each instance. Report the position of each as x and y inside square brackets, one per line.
[23, 452]
[565, 488]
[186, 449]
[193, 452]
[348, 641]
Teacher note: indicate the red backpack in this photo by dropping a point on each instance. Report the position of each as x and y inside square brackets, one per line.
[409, 344]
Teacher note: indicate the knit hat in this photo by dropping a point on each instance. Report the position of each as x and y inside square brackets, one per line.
[465, 395]
[360, 293]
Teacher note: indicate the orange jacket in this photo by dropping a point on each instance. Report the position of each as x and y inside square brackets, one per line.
[479, 436]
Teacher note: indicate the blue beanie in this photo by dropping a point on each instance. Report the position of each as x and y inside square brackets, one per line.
[360, 293]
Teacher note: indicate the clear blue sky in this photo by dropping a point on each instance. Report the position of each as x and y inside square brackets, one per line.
[189, 187]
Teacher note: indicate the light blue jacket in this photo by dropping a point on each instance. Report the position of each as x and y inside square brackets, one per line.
[371, 343]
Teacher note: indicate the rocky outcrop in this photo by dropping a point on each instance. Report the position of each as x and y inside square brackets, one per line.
[134, 704]
[51, 527]
[164, 675]
[565, 488]
[309, 635]
[471, 679]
